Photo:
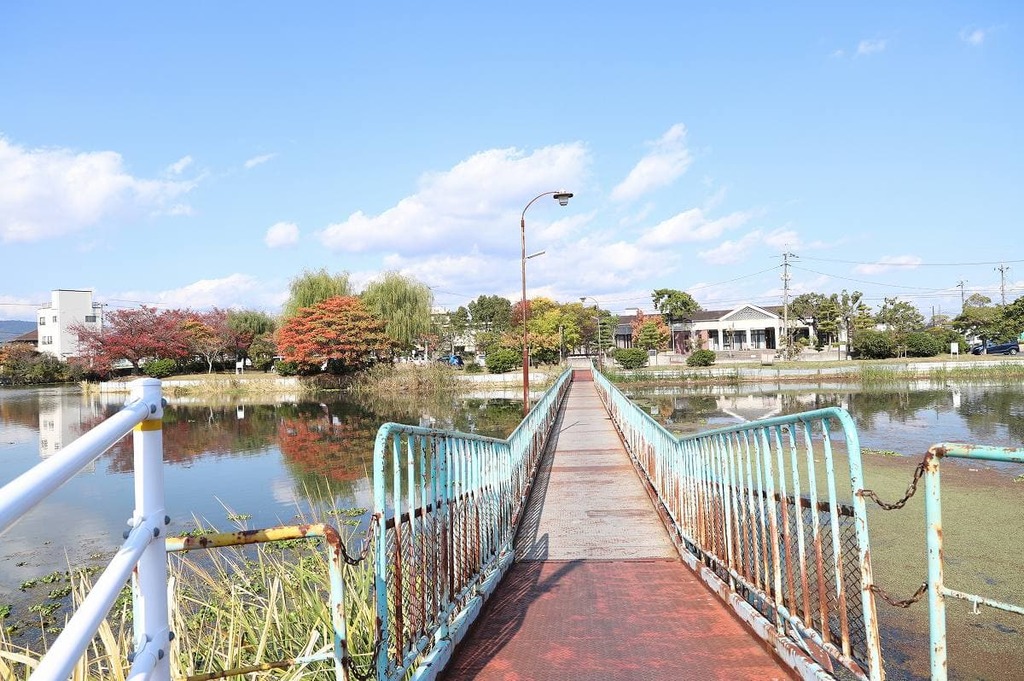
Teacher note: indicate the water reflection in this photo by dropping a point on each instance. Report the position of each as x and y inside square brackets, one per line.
[271, 462]
[906, 415]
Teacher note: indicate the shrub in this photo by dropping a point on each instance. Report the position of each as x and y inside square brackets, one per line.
[501, 360]
[284, 368]
[160, 368]
[923, 344]
[871, 344]
[701, 358]
[631, 358]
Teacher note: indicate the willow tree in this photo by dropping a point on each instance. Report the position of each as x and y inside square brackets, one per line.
[310, 288]
[404, 304]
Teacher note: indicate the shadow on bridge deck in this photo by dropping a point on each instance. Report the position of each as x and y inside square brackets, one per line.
[598, 591]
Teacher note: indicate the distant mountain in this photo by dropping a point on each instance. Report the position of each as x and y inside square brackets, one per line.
[12, 328]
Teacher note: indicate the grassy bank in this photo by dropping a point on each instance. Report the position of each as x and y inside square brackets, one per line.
[232, 607]
[880, 372]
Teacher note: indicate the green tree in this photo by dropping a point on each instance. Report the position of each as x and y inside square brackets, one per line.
[491, 313]
[1013, 319]
[310, 288]
[820, 312]
[248, 326]
[979, 319]
[900, 319]
[404, 304]
[854, 315]
[674, 305]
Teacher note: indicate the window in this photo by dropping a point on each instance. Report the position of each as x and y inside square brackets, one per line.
[54, 319]
[90, 318]
[47, 340]
[42, 321]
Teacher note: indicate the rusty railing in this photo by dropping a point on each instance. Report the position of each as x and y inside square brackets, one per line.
[450, 504]
[755, 510]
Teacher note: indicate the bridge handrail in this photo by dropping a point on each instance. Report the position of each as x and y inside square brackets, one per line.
[447, 526]
[725, 494]
[937, 590]
[141, 549]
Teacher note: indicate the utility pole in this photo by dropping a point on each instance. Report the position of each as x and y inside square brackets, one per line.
[963, 304]
[785, 298]
[1002, 270]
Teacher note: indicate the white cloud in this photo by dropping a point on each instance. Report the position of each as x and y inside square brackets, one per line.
[282, 234]
[729, 252]
[889, 263]
[668, 159]
[258, 160]
[974, 36]
[178, 166]
[476, 203]
[233, 291]
[48, 192]
[866, 47]
[692, 225]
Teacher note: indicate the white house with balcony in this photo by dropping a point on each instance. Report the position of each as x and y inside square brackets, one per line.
[68, 309]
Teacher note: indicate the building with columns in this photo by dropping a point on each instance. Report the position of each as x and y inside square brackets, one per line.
[746, 327]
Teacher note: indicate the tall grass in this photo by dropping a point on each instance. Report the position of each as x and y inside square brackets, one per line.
[232, 607]
[428, 380]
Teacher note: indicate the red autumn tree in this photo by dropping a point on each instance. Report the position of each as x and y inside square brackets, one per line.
[132, 335]
[337, 335]
[207, 335]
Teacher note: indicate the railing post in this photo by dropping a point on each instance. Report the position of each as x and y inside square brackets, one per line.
[936, 596]
[151, 622]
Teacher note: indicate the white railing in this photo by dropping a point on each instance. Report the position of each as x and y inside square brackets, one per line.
[143, 547]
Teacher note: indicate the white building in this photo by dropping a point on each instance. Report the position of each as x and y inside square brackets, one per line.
[68, 308]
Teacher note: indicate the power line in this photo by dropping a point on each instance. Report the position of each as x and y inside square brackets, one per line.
[883, 263]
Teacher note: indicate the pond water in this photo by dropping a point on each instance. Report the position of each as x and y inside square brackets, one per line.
[229, 465]
[233, 464]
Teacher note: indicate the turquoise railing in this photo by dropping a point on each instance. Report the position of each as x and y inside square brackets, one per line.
[756, 511]
[937, 589]
[447, 506]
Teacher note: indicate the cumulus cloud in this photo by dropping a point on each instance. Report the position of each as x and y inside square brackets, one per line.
[50, 192]
[282, 234]
[179, 166]
[235, 291]
[475, 203]
[664, 163]
[692, 225]
[730, 251]
[889, 263]
[867, 47]
[258, 160]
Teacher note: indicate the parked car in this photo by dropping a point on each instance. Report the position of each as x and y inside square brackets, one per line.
[986, 348]
[452, 361]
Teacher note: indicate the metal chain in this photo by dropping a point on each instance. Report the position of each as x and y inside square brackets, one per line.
[918, 472]
[370, 671]
[906, 602]
[367, 545]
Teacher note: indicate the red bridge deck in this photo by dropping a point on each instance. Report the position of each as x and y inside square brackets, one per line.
[598, 591]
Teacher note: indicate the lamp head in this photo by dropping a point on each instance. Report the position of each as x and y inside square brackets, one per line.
[562, 197]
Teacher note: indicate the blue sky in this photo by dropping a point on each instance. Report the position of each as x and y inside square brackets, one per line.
[203, 154]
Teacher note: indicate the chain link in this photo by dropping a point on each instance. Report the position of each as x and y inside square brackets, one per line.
[906, 602]
[367, 673]
[918, 472]
[370, 671]
[367, 545]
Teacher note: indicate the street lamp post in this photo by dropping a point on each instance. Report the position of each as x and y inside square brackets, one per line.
[597, 308]
[562, 197]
